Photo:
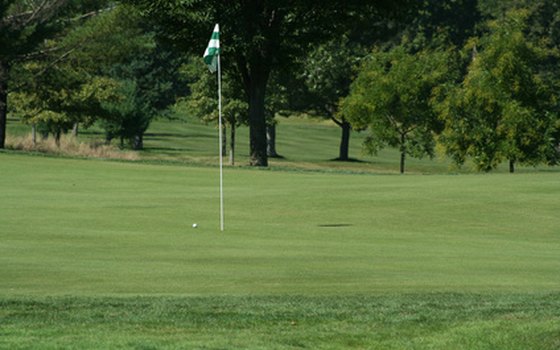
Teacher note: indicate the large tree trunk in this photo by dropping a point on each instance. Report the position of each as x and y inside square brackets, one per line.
[345, 138]
[271, 141]
[511, 166]
[255, 72]
[3, 102]
[344, 141]
[257, 122]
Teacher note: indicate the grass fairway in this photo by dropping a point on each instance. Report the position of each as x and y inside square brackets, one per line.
[102, 255]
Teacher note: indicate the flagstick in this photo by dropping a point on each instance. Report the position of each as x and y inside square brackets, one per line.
[220, 137]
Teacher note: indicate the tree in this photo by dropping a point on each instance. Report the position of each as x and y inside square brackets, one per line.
[259, 37]
[203, 103]
[24, 27]
[505, 109]
[330, 67]
[63, 87]
[327, 76]
[56, 100]
[57, 91]
[392, 97]
[444, 22]
[150, 83]
[276, 103]
[112, 70]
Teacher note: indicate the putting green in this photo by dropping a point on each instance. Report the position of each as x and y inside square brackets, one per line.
[94, 228]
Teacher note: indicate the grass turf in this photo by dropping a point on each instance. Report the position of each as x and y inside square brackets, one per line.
[102, 255]
[89, 227]
[427, 321]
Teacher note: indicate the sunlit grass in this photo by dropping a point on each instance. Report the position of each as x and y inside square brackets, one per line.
[97, 254]
[429, 321]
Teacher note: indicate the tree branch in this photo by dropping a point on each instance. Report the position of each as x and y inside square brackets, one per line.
[59, 59]
[39, 14]
[35, 13]
[37, 54]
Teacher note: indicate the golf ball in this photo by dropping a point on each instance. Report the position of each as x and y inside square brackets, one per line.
[194, 225]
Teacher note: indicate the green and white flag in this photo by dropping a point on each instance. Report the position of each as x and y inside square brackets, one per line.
[212, 59]
[213, 50]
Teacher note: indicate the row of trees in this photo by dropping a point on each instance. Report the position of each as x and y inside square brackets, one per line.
[490, 99]
[68, 63]
[477, 77]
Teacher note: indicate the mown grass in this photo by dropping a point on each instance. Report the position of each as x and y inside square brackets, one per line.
[427, 321]
[97, 254]
[101, 228]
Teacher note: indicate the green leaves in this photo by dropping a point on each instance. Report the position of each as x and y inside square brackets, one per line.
[502, 110]
[392, 96]
[203, 99]
[108, 67]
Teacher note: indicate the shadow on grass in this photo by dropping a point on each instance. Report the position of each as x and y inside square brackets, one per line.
[348, 160]
[166, 149]
[161, 136]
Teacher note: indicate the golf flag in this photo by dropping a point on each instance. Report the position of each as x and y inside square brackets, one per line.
[212, 60]
[213, 50]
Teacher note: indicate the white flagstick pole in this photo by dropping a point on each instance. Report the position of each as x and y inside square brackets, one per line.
[220, 137]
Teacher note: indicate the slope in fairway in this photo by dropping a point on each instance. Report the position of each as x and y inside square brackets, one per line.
[92, 228]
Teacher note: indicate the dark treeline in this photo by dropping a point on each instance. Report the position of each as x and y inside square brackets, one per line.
[479, 78]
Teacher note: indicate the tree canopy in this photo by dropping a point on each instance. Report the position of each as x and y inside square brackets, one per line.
[476, 76]
[112, 70]
[391, 96]
[25, 30]
[505, 108]
[260, 36]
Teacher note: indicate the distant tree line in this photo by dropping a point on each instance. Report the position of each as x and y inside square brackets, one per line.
[68, 63]
[484, 87]
[476, 77]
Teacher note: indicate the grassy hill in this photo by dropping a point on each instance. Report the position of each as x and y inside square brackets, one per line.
[128, 227]
[317, 254]
[98, 254]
